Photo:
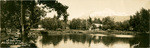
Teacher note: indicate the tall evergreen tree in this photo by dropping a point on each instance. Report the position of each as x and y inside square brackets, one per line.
[140, 21]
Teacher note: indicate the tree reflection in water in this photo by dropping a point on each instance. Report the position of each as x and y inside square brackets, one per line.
[85, 38]
[51, 39]
[142, 41]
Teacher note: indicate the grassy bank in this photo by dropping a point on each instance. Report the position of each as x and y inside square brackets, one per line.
[51, 32]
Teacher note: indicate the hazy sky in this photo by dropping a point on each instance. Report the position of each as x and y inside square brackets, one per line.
[85, 8]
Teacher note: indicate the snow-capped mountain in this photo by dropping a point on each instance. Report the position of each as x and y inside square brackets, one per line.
[118, 16]
[108, 12]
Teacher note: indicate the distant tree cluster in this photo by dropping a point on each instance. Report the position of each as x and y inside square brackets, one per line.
[84, 24]
[53, 23]
[108, 23]
[97, 20]
[79, 24]
[138, 22]
[122, 25]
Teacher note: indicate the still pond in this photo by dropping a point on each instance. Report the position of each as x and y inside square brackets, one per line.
[91, 41]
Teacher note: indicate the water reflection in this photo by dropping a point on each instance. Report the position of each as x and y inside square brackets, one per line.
[140, 41]
[89, 41]
[51, 39]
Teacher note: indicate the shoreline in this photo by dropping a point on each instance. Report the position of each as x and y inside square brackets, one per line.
[51, 32]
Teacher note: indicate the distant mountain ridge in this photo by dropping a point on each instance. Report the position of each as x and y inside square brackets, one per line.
[118, 16]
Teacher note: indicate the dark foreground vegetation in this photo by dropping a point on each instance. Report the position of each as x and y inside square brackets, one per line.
[24, 15]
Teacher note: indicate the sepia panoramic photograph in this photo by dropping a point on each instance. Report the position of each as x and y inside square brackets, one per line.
[74, 23]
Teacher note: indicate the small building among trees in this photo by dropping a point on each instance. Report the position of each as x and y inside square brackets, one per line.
[95, 26]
